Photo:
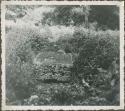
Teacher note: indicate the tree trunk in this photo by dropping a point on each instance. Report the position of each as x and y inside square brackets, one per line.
[86, 21]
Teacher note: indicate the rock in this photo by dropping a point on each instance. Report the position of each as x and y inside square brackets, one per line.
[85, 83]
[33, 97]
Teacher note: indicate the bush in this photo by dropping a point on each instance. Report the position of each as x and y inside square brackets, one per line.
[97, 51]
[22, 46]
[19, 81]
[61, 97]
[73, 94]
[98, 57]
[23, 41]
[52, 72]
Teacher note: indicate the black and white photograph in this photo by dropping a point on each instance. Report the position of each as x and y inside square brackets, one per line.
[62, 55]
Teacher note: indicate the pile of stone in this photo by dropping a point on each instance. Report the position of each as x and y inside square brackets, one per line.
[52, 72]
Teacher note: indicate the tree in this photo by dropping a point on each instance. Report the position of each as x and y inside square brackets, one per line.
[66, 15]
[84, 12]
[106, 16]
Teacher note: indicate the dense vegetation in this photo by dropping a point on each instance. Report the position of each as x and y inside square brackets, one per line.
[62, 55]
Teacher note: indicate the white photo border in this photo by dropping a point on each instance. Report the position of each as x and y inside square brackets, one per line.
[121, 7]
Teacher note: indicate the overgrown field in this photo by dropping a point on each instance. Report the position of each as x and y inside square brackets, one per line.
[61, 64]
[92, 79]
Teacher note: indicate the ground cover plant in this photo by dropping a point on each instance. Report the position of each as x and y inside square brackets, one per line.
[59, 59]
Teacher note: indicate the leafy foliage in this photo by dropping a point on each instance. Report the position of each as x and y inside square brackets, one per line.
[106, 16]
[92, 79]
[52, 72]
[96, 52]
[20, 51]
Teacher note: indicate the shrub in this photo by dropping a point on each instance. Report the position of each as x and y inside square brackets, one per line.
[97, 51]
[72, 94]
[61, 33]
[62, 97]
[22, 45]
[51, 72]
[24, 41]
[19, 80]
